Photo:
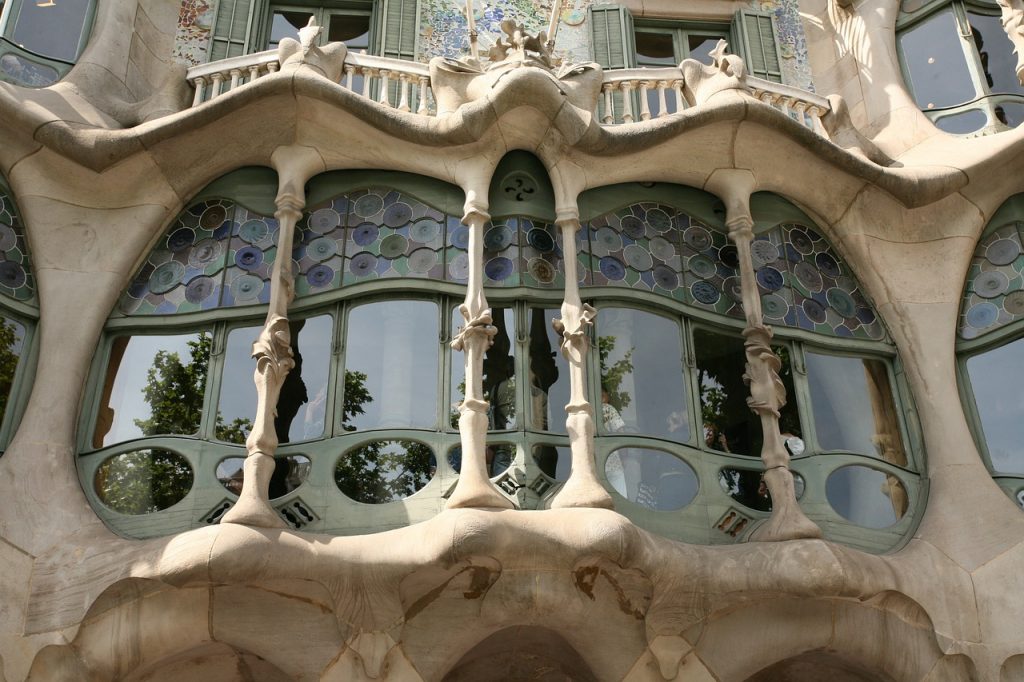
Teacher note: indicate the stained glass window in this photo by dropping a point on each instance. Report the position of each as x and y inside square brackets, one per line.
[16, 280]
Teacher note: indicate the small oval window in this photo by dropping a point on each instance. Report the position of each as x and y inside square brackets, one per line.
[385, 470]
[866, 496]
[499, 458]
[143, 481]
[289, 473]
[651, 478]
[747, 487]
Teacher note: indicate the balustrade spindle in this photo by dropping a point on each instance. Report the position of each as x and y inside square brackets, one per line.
[236, 77]
[385, 95]
[200, 84]
[254, 72]
[609, 104]
[367, 75]
[627, 102]
[423, 107]
[403, 97]
[217, 79]
[350, 72]
[645, 106]
[662, 102]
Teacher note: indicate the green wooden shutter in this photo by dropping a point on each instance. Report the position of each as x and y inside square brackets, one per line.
[611, 29]
[399, 27]
[758, 43]
[231, 29]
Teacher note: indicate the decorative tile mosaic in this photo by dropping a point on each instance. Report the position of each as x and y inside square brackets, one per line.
[796, 67]
[16, 280]
[994, 296]
[192, 39]
[215, 254]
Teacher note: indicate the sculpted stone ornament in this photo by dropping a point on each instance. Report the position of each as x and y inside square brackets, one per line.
[703, 81]
[1013, 24]
[328, 60]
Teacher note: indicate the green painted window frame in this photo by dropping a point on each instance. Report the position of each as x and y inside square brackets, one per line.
[9, 13]
[680, 32]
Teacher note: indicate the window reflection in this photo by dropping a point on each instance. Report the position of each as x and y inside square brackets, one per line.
[641, 375]
[385, 470]
[391, 366]
[996, 52]
[50, 29]
[729, 424]
[936, 64]
[548, 374]
[154, 386]
[866, 496]
[498, 456]
[651, 478]
[555, 461]
[12, 341]
[143, 481]
[289, 473]
[747, 487]
[499, 372]
[995, 382]
[302, 404]
[853, 406]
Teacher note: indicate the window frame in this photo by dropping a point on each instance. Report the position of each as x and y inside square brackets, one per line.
[9, 15]
[680, 32]
[322, 12]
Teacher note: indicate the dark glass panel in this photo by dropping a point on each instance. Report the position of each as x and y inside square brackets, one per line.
[651, 478]
[866, 496]
[12, 341]
[391, 366]
[700, 47]
[51, 28]
[853, 407]
[301, 406]
[1010, 113]
[154, 385]
[963, 122]
[641, 375]
[555, 461]
[351, 29]
[385, 470]
[996, 383]
[286, 24]
[499, 378]
[934, 58]
[747, 487]
[548, 374]
[289, 473]
[143, 481]
[729, 424]
[499, 458]
[995, 50]
[655, 49]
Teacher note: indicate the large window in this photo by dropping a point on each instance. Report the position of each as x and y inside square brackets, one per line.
[960, 66]
[40, 40]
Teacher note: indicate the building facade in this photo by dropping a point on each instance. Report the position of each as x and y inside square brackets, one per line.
[640, 341]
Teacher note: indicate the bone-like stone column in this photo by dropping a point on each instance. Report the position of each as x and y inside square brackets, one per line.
[582, 489]
[474, 488]
[1013, 24]
[767, 392]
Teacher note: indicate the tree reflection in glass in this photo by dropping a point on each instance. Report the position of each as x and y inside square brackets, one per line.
[642, 376]
[143, 481]
[729, 424]
[548, 381]
[499, 379]
[385, 470]
[391, 353]
[995, 382]
[853, 406]
[12, 339]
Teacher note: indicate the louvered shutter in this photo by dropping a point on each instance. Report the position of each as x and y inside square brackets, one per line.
[758, 43]
[611, 29]
[231, 29]
[399, 26]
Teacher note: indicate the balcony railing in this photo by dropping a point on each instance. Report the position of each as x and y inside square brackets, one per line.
[628, 95]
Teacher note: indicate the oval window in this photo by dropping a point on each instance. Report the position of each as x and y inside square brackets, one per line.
[289, 473]
[747, 487]
[651, 478]
[866, 496]
[385, 470]
[499, 458]
[143, 481]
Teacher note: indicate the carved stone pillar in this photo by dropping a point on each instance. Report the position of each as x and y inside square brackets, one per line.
[474, 488]
[582, 489]
[273, 354]
[1013, 24]
[767, 394]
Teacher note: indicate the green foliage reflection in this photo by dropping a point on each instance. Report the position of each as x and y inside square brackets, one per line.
[143, 481]
[11, 335]
[384, 471]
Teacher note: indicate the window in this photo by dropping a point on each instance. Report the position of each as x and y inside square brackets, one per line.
[41, 39]
[350, 26]
[959, 65]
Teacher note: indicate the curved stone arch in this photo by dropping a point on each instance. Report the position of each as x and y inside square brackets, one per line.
[521, 652]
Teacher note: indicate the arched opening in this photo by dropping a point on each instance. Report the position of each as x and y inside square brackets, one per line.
[817, 666]
[522, 653]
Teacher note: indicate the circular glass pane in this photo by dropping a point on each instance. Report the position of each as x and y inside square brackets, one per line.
[289, 473]
[747, 487]
[866, 496]
[651, 478]
[143, 481]
[499, 458]
[385, 470]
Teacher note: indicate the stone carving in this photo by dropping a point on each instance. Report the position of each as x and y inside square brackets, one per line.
[521, 47]
[702, 81]
[328, 60]
[1013, 23]
[582, 489]
[474, 488]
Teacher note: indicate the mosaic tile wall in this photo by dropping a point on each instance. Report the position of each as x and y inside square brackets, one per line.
[796, 69]
[994, 296]
[16, 280]
[192, 39]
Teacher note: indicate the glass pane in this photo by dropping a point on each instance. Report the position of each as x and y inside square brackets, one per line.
[385, 470]
[934, 58]
[867, 497]
[853, 407]
[143, 481]
[12, 342]
[700, 46]
[555, 461]
[655, 49]
[351, 29]
[499, 372]
[289, 473]
[651, 478]
[641, 375]
[963, 122]
[154, 386]
[995, 381]
[996, 53]
[499, 458]
[286, 24]
[747, 487]
[1010, 113]
[548, 374]
[391, 366]
[729, 425]
[51, 28]
[302, 405]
